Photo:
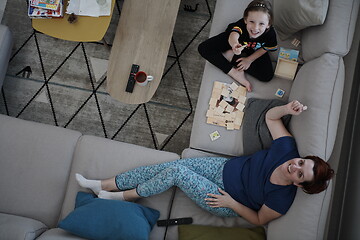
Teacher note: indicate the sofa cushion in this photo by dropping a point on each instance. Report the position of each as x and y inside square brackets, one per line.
[228, 11]
[291, 16]
[200, 232]
[336, 34]
[322, 92]
[99, 158]
[35, 161]
[230, 142]
[58, 234]
[192, 153]
[184, 207]
[306, 218]
[17, 227]
[95, 218]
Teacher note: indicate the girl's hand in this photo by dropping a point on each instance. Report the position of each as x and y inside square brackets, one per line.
[222, 200]
[295, 107]
[244, 63]
[233, 39]
[238, 48]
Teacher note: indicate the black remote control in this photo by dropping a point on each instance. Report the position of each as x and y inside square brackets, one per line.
[131, 81]
[175, 221]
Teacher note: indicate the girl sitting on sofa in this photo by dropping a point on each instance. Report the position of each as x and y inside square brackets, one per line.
[244, 45]
[260, 187]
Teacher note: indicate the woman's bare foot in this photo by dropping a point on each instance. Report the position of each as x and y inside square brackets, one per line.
[239, 76]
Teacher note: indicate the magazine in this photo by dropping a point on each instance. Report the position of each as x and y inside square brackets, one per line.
[34, 12]
[45, 4]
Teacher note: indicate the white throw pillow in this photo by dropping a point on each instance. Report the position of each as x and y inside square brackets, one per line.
[291, 16]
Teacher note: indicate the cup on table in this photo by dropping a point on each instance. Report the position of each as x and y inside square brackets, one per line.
[101, 2]
[142, 78]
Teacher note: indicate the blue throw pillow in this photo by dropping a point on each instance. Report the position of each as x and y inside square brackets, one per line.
[95, 218]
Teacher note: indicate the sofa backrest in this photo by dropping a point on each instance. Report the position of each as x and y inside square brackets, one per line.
[100, 158]
[35, 160]
[315, 132]
[336, 34]
[321, 90]
[227, 11]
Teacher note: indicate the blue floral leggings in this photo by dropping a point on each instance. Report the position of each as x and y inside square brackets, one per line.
[196, 177]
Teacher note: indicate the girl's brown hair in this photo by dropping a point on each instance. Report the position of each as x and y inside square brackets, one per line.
[322, 174]
[262, 6]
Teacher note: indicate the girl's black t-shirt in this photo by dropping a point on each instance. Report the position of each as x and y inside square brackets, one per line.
[266, 41]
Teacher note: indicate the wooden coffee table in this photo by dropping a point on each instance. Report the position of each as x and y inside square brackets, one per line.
[85, 29]
[143, 37]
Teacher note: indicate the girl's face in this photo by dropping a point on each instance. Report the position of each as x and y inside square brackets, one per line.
[257, 23]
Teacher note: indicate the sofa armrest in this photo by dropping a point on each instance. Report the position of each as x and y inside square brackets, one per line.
[319, 85]
[35, 161]
[17, 227]
[6, 43]
[226, 12]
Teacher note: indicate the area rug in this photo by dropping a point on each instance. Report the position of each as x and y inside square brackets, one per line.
[63, 83]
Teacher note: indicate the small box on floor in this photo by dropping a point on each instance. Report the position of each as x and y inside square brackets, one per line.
[287, 63]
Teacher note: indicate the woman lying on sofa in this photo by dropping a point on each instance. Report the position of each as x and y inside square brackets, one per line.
[260, 187]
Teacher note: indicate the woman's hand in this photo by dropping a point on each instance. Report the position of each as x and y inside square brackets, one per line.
[295, 107]
[220, 200]
[243, 63]
[274, 115]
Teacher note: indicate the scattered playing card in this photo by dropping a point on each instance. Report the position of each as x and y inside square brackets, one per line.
[214, 135]
[280, 93]
[234, 86]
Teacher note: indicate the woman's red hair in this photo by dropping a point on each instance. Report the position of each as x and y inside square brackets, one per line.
[322, 175]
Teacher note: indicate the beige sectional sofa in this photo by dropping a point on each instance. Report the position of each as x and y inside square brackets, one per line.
[37, 175]
[38, 161]
[319, 84]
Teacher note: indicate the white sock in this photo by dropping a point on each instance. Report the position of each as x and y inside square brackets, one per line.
[111, 195]
[94, 185]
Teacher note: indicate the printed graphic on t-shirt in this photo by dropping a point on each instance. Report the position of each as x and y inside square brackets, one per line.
[253, 45]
